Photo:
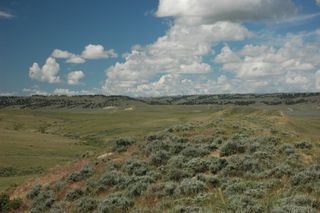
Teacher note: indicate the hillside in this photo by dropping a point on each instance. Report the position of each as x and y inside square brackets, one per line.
[101, 101]
[234, 159]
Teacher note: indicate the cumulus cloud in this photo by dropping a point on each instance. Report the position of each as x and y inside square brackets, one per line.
[180, 51]
[175, 63]
[47, 73]
[228, 10]
[70, 57]
[4, 14]
[317, 79]
[34, 91]
[290, 67]
[67, 92]
[74, 77]
[90, 52]
[97, 51]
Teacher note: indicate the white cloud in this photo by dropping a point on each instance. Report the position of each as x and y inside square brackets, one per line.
[48, 72]
[7, 93]
[75, 59]
[74, 77]
[226, 56]
[208, 11]
[317, 80]
[97, 51]
[67, 92]
[61, 54]
[34, 91]
[4, 14]
[180, 51]
[70, 57]
[318, 2]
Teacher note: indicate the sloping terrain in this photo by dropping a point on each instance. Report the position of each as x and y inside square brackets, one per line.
[239, 159]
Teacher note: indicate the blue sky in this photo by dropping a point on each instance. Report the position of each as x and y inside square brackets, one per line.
[158, 47]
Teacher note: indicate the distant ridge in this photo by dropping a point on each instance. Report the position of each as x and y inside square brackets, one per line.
[102, 101]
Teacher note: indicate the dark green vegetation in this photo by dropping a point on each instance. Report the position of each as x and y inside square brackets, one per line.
[169, 158]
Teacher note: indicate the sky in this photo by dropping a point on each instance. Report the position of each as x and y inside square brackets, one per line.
[159, 47]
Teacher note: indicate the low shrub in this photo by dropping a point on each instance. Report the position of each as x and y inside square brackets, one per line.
[210, 180]
[135, 167]
[194, 152]
[287, 149]
[197, 165]
[296, 203]
[34, 192]
[86, 204]
[115, 203]
[159, 157]
[122, 144]
[43, 202]
[302, 145]
[308, 179]
[74, 194]
[4, 202]
[215, 164]
[15, 203]
[137, 188]
[190, 186]
[111, 178]
[85, 172]
[242, 203]
[232, 147]
[59, 186]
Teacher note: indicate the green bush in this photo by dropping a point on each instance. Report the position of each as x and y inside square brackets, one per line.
[15, 204]
[232, 147]
[215, 164]
[115, 203]
[85, 172]
[296, 204]
[4, 202]
[159, 157]
[197, 165]
[135, 167]
[308, 179]
[122, 144]
[195, 151]
[210, 180]
[86, 204]
[302, 145]
[7, 205]
[242, 203]
[34, 192]
[74, 194]
[287, 149]
[137, 188]
[59, 186]
[111, 178]
[191, 186]
[43, 202]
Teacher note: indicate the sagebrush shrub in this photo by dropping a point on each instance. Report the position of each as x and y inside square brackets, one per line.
[43, 202]
[74, 194]
[86, 204]
[115, 203]
[122, 144]
[34, 191]
[192, 186]
[85, 172]
[232, 147]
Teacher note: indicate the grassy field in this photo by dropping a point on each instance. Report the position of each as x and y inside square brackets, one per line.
[32, 141]
[50, 146]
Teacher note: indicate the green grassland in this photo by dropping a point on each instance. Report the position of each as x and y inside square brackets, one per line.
[181, 158]
[40, 139]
